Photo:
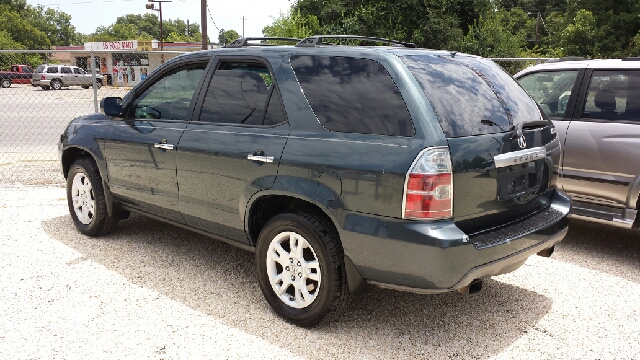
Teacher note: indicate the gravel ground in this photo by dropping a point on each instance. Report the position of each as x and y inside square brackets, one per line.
[154, 291]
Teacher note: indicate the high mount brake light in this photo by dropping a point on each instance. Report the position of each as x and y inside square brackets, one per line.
[428, 192]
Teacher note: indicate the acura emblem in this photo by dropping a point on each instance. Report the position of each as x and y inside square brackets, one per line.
[522, 142]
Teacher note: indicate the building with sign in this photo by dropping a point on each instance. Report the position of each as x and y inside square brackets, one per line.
[123, 63]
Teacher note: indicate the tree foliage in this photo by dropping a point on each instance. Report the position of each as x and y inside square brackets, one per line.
[492, 28]
[227, 36]
[35, 27]
[147, 27]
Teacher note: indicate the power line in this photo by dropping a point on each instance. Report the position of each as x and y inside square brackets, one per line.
[211, 16]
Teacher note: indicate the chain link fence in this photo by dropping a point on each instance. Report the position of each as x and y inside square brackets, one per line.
[41, 91]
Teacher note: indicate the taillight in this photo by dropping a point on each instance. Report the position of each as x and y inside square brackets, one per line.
[428, 192]
[41, 77]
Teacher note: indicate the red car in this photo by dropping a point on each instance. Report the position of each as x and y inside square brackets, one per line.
[19, 74]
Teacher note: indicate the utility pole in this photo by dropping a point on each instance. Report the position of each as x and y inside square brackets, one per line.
[186, 31]
[243, 19]
[203, 21]
[538, 27]
[152, 7]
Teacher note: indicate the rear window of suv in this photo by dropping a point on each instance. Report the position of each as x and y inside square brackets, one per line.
[40, 69]
[464, 91]
[352, 95]
[52, 70]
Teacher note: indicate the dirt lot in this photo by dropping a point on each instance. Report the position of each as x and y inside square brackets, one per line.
[155, 291]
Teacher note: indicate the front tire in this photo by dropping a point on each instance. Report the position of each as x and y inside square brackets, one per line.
[86, 200]
[85, 86]
[5, 83]
[300, 268]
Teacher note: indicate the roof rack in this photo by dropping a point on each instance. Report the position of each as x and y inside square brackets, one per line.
[567, 58]
[238, 43]
[631, 58]
[316, 40]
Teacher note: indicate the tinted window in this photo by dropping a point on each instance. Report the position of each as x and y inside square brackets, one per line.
[66, 70]
[27, 70]
[465, 90]
[52, 70]
[40, 69]
[352, 95]
[239, 93]
[613, 95]
[77, 71]
[551, 89]
[169, 98]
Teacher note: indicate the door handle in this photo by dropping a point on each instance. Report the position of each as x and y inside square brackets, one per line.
[262, 158]
[164, 146]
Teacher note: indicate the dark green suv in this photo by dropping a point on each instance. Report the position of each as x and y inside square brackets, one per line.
[341, 167]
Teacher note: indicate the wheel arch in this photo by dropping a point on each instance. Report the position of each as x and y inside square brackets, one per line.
[265, 205]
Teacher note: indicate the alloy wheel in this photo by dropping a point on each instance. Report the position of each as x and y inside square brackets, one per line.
[84, 202]
[293, 270]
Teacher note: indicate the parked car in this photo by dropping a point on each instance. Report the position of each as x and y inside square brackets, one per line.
[339, 166]
[18, 74]
[595, 106]
[58, 76]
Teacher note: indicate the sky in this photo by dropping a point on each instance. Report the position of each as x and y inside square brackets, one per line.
[87, 15]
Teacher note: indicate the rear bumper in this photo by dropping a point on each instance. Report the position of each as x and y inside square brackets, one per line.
[439, 257]
[41, 82]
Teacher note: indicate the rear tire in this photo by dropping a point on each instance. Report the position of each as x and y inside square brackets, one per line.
[5, 83]
[300, 268]
[56, 85]
[86, 200]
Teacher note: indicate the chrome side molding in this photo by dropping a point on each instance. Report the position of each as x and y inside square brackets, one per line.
[520, 157]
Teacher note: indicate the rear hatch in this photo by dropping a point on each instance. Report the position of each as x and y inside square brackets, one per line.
[36, 73]
[503, 153]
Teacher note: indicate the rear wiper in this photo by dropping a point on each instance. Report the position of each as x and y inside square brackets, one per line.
[517, 130]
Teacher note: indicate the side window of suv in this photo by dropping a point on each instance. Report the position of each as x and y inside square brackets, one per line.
[242, 92]
[353, 95]
[551, 90]
[613, 95]
[77, 71]
[52, 70]
[66, 70]
[169, 98]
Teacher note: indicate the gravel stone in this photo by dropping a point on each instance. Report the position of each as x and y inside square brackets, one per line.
[155, 291]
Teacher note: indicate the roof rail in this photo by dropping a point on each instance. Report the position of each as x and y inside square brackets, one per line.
[316, 40]
[238, 43]
[566, 58]
[631, 58]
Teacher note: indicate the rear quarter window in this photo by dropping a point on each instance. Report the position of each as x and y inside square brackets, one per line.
[352, 95]
[39, 69]
[465, 90]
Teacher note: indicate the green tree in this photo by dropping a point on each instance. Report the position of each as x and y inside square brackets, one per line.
[228, 36]
[581, 36]
[292, 25]
[147, 27]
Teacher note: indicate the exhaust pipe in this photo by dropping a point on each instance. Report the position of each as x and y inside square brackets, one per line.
[546, 252]
[474, 287]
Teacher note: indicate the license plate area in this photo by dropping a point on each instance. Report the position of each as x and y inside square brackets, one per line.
[519, 180]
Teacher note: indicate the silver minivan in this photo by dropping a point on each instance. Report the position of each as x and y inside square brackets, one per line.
[595, 107]
[58, 76]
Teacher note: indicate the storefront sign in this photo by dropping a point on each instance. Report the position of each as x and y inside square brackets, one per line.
[112, 45]
[144, 45]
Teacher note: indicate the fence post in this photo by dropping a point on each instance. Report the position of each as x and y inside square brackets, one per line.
[93, 80]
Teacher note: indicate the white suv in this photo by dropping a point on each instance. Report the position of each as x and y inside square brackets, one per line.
[595, 107]
[57, 76]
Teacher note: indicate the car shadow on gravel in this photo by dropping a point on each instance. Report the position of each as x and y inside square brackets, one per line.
[605, 248]
[219, 280]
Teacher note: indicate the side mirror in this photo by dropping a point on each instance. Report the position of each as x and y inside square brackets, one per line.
[111, 106]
